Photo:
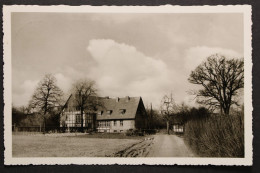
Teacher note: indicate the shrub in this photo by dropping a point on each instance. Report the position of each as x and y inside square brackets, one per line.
[132, 132]
[149, 131]
[216, 136]
[129, 132]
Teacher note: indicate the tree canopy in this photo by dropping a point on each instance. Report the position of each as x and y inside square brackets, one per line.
[221, 79]
[46, 96]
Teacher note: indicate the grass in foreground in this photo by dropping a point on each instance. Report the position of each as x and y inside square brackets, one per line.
[78, 146]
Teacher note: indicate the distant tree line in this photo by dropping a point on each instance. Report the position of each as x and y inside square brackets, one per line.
[157, 119]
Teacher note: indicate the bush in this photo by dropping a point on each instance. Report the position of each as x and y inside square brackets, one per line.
[216, 136]
[132, 132]
[129, 132]
[149, 131]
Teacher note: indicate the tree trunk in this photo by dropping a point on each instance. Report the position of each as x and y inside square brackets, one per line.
[44, 125]
[226, 111]
[168, 129]
[81, 121]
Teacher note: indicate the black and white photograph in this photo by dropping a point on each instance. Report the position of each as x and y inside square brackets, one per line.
[128, 85]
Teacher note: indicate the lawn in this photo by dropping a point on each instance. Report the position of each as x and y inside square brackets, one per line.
[96, 145]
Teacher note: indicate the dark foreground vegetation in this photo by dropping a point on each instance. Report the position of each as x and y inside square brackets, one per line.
[216, 135]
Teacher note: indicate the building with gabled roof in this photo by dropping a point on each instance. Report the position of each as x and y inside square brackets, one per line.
[110, 115]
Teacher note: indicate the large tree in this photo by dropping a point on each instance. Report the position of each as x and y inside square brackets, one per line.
[85, 95]
[46, 97]
[221, 78]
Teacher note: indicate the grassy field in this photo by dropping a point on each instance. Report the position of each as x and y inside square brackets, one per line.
[96, 145]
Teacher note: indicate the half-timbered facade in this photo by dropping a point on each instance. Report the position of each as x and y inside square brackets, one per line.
[70, 116]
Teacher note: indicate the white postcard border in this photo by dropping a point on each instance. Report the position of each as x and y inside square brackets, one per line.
[245, 9]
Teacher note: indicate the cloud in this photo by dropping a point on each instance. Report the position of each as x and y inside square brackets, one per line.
[22, 98]
[123, 70]
[63, 82]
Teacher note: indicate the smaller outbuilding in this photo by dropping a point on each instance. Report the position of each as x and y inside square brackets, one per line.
[178, 128]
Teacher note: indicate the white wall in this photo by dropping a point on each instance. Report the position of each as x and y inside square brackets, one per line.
[127, 124]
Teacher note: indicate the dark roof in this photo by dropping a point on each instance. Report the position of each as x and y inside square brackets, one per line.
[127, 104]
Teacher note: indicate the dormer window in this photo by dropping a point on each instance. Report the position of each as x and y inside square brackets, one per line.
[109, 112]
[122, 111]
[100, 113]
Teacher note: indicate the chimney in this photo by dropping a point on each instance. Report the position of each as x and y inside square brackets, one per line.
[117, 99]
[127, 98]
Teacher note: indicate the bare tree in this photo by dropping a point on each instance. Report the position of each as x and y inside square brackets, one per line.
[168, 108]
[221, 79]
[85, 93]
[46, 97]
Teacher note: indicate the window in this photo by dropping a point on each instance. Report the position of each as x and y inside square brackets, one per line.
[109, 112]
[121, 123]
[106, 123]
[122, 111]
[114, 122]
[77, 119]
[101, 124]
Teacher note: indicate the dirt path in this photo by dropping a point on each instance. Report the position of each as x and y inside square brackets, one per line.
[159, 145]
[169, 146]
[140, 149]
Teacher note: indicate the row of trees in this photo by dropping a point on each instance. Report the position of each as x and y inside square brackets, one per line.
[170, 113]
[47, 99]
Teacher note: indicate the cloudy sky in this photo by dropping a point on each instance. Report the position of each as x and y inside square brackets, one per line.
[146, 55]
